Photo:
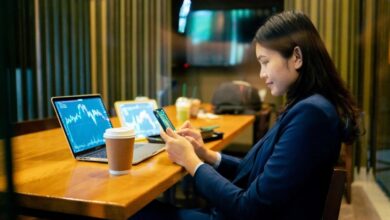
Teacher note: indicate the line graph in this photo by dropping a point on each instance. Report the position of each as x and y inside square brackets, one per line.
[93, 142]
[84, 121]
[140, 117]
[82, 109]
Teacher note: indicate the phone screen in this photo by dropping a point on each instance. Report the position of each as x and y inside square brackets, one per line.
[162, 117]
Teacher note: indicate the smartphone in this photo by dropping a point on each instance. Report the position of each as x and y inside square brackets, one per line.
[163, 119]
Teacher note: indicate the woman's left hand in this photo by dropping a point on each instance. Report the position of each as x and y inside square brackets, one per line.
[180, 150]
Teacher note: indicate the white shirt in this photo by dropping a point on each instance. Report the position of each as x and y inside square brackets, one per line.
[215, 165]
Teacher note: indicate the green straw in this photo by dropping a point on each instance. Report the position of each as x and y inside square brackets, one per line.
[194, 91]
[184, 90]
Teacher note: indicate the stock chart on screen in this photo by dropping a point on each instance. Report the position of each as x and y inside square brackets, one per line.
[140, 117]
[84, 121]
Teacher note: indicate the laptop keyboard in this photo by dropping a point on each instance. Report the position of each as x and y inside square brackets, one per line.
[98, 154]
[141, 152]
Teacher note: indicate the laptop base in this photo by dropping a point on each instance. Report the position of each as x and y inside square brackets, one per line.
[143, 151]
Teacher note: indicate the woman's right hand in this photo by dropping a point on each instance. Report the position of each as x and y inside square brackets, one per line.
[194, 136]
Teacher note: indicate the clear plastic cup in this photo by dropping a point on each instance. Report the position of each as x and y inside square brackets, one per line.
[183, 106]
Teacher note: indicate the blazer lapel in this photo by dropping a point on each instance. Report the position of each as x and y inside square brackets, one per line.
[255, 154]
[246, 165]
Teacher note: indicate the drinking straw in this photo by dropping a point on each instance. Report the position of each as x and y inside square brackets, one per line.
[194, 91]
[184, 90]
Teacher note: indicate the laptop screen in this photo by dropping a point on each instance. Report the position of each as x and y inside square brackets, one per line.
[84, 120]
[139, 115]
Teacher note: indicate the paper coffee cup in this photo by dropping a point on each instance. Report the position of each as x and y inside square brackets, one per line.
[119, 147]
[195, 105]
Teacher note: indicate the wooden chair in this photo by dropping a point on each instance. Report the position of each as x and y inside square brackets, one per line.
[346, 162]
[261, 123]
[25, 127]
[335, 195]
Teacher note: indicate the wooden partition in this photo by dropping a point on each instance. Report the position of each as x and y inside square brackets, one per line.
[118, 48]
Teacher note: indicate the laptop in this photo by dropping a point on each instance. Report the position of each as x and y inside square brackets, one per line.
[84, 120]
[138, 114]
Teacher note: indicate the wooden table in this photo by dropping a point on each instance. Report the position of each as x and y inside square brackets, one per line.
[47, 177]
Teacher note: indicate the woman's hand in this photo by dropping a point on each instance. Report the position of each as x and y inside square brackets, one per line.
[194, 136]
[180, 150]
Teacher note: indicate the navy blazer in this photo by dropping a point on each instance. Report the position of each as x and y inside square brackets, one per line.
[286, 175]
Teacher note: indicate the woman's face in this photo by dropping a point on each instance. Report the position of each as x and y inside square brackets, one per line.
[278, 72]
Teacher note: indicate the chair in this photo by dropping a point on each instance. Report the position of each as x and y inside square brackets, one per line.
[346, 162]
[261, 123]
[25, 127]
[335, 194]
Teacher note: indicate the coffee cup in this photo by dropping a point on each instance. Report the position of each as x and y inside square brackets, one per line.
[195, 105]
[120, 148]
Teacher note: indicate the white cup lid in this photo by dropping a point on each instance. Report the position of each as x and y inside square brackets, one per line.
[182, 102]
[122, 132]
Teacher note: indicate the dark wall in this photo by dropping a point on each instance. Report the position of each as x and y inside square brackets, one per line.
[7, 210]
[206, 79]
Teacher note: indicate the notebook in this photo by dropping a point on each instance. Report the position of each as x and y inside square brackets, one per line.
[84, 120]
[138, 114]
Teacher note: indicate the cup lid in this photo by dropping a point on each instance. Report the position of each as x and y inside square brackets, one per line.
[122, 132]
[182, 101]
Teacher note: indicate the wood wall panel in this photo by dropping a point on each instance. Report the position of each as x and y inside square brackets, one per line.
[74, 47]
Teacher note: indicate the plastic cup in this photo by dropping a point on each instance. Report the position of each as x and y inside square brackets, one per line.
[120, 148]
[183, 106]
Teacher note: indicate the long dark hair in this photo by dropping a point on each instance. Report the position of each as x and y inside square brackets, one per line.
[285, 31]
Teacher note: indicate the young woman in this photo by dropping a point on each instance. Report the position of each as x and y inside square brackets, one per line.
[287, 173]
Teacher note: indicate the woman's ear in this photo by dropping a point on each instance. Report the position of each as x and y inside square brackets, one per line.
[298, 59]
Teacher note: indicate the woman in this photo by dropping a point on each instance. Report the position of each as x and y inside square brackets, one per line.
[287, 173]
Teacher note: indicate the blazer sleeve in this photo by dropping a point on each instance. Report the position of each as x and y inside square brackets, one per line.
[303, 145]
[228, 166]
